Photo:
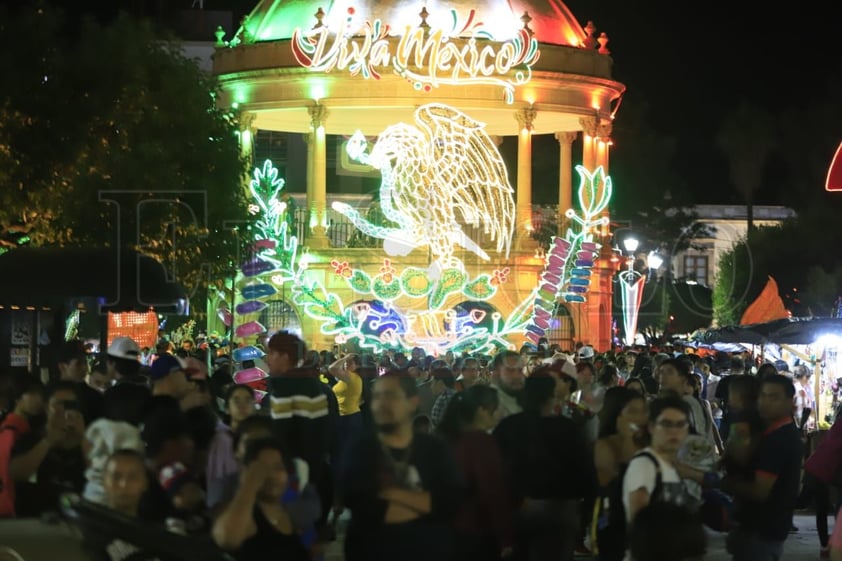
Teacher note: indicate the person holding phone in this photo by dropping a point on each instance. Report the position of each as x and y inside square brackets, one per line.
[54, 456]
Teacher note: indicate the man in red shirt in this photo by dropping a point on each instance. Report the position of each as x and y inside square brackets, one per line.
[766, 501]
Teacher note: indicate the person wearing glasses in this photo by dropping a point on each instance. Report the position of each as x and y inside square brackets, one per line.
[651, 475]
[469, 373]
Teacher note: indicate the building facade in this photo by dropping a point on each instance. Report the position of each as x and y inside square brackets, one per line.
[727, 225]
[415, 101]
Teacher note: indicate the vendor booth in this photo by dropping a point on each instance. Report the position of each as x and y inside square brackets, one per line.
[815, 342]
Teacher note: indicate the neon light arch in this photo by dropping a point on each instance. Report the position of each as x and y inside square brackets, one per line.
[833, 182]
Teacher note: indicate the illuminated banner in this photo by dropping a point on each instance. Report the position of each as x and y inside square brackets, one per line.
[834, 173]
[425, 57]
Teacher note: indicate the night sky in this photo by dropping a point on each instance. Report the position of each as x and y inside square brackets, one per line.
[692, 62]
[689, 64]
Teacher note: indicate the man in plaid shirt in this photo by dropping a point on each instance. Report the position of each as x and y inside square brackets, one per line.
[443, 388]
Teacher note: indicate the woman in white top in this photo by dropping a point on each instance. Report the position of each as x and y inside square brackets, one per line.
[651, 474]
[804, 398]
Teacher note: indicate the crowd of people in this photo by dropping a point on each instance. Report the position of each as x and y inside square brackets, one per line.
[534, 455]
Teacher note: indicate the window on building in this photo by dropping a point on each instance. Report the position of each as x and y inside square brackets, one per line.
[696, 268]
[280, 316]
[562, 331]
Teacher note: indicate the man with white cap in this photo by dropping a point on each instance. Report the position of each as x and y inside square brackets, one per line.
[122, 360]
[586, 354]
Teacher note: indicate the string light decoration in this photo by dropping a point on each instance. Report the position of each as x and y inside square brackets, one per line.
[445, 168]
[265, 188]
[441, 308]
[414, 308]
[424, 57]
[631, 295]
[433, 175]
[140, 326]
[570, 259]
[277, 262]
[833, 182]
[548, 287]
[594, 194]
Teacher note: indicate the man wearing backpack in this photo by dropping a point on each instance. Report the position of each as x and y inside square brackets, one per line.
[651, 475]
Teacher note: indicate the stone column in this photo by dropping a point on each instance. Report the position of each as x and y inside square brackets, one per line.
[605, 271]
[317, 177]
[590, 130]
[603, 146]
[525, 117]
[597, 309]
[247, 134]
[565, 169]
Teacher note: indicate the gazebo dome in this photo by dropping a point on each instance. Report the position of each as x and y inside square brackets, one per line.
[550, 20]
[371, 63]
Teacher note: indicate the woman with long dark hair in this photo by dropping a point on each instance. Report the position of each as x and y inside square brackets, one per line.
[223, 471]
[484, 517]
[622, 422]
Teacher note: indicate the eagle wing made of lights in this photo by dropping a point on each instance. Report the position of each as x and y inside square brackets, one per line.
[465, 158]
[449, 164]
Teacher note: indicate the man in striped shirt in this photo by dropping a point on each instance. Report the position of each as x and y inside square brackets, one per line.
[298, 403]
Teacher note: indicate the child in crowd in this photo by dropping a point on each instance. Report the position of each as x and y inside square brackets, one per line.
[117, 430]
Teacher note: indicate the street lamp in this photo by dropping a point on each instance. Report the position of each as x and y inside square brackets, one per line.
[654, 261]
[631, 245]
[631, 287]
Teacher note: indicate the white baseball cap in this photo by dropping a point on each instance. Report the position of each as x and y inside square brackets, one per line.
[124, 347]
[586, 352]
[562, 362]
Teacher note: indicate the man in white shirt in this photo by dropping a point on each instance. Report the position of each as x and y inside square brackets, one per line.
[651, 474]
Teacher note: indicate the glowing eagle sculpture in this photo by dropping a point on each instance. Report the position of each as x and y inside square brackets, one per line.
[437, 176]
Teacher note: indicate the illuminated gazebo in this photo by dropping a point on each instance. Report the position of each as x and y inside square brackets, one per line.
[459, 78]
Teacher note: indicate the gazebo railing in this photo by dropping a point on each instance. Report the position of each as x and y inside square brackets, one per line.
[546, 222]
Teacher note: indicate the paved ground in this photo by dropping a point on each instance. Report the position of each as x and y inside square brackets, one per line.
[800, 546]
[39, 542]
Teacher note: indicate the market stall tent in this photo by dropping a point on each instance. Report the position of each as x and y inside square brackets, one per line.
[787, 331]
[816, 341]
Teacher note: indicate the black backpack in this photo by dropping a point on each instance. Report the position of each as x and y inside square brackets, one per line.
[609, 530]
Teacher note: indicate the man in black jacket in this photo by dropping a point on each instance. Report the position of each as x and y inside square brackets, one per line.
[402, 487]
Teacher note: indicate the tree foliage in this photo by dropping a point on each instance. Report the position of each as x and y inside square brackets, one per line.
[88, 110]
[799, 254]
